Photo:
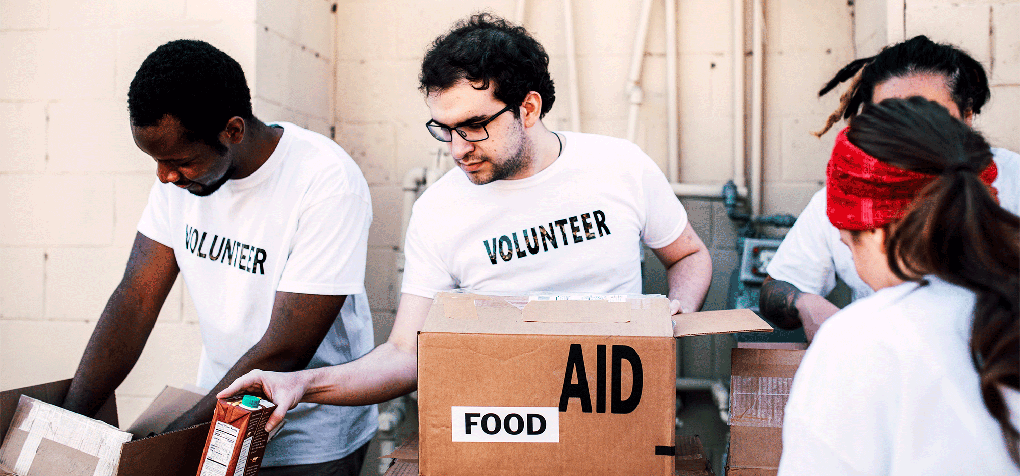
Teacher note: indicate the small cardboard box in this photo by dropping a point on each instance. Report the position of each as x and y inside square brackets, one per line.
[759, 388]
[532, 385]
[170, 454]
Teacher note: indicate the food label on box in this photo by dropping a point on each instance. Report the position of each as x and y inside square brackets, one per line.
[221, 449]
[505, 424]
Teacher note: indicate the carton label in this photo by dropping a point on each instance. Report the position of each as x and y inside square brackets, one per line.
[505, 424]
[575, 380]
[221, 449]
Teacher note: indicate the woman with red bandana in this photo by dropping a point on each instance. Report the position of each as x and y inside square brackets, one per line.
[921, 377]
[811, 256]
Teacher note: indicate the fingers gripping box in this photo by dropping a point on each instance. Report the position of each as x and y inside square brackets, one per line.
[539, 385]
[237, 438]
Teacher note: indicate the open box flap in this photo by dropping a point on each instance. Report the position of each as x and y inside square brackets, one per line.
[169, 404]
[718, 322]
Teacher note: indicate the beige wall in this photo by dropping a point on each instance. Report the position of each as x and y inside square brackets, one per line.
[72, 185]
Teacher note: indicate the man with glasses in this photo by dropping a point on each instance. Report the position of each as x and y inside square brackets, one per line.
[530, 210]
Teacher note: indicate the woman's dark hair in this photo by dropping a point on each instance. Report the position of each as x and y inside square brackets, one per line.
[489, 49]
[193, 81]
[965, 77]
[955, 230]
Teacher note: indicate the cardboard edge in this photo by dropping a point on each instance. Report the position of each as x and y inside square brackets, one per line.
[726, 321]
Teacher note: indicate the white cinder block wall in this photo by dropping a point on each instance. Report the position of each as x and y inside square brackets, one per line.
[72, 184]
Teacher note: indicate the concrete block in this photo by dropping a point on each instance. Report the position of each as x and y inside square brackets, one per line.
[374, 147]
[22, 282]
[705, 26]
[724, 230]
[870, 27]
[91, 14]
[961, 24]
[706, 149]
[787, 198]
[24, 14]
[235, 37]
[130, 194]
[56, 210]
[387, 206]
[134, 13]
[269, 110]
[608, 29]
[129, 407]
[382, 324]
[415, 24]
[723, 264]
[381, 284]
[308, 23]
[20, 60]
[219, 10]
[804, 156]
[699, 215]
[320, 125]
[105, 145]
[35, 352]
[356, 41]
[790, 93]
[366, 92]
[998, 119]
[23, 138]
[809, 26]
[1005, 65]
[78, 64]
[705, 85]
[79, 281]
[603, 95]
[170, 358]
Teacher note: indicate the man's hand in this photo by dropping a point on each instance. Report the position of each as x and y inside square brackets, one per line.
[285, 389]
[674, 307]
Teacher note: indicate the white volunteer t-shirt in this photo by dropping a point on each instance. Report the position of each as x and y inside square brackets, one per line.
[812, 255]
[888, 387]
[298, 224]
[576, 226]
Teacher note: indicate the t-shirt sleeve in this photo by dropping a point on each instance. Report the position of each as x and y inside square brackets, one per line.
[424, 271]
[804, 258]
[665, 216]
[155, 221]
[329, 248]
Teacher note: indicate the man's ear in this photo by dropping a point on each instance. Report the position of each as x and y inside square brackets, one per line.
[234, 132]
[968, 117]
[532, 108]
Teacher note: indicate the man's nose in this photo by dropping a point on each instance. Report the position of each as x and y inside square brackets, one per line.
[167, 174]
[460, 147]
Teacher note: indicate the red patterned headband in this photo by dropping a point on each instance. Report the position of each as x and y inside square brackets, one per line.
[864, 193]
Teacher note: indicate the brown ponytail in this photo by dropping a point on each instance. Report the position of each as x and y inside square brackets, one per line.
[955, 230]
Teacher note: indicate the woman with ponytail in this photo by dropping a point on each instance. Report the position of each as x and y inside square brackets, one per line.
[811, 256]
[921, 377]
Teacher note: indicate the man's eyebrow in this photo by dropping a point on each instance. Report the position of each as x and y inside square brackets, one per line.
[471, 120]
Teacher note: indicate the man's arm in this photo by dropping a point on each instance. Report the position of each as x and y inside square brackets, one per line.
[124, 326]
[789, 308]
[688, 271]
[298, 324]
[388, 371]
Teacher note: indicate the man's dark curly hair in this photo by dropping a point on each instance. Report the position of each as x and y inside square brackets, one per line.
[193, 81]
[488, 49]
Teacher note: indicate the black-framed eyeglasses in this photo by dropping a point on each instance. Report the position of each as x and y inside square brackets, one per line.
[472, 132]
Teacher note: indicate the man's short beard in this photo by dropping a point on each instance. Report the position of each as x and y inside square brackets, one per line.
[207, 190]
[520, 160]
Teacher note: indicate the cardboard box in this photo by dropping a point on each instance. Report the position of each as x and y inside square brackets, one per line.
[690, 458]
[759, 388]
[530, 385]
[171, 454]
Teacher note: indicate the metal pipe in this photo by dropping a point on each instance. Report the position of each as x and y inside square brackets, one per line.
[519, 13]
[634, 91]
[672, 126]
[757, 122]
[575, 106]
[720, 394]
[738, 93]
[703, 190]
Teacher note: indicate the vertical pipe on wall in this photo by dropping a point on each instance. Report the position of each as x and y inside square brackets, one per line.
[575, 106]
[738, 93]
[757, 123]
[519, 13]
[672, 126]
[634, 77]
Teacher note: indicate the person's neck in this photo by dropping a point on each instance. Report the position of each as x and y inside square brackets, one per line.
[260, 140]
[547, 147]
